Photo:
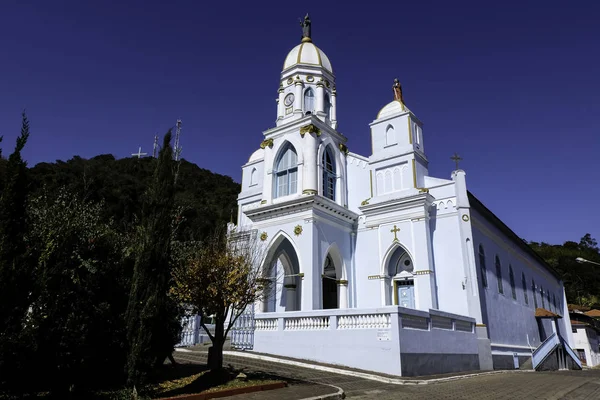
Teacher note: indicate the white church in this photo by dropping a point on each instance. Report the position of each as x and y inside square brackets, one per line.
[378, 265]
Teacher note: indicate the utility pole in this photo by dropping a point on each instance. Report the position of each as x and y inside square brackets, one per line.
[177, 146]
[155, 148]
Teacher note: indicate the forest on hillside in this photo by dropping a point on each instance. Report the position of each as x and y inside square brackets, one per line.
[204, 199]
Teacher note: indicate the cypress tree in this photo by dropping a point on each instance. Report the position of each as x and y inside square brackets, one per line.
[152, 319]
[15, 272]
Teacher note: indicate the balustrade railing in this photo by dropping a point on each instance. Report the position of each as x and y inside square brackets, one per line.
[306, 323]
[266, 324]
[369, 321]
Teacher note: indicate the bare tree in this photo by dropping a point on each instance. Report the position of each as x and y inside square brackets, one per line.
[221, 278]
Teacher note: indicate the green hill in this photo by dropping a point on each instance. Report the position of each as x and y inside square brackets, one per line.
[205, 199]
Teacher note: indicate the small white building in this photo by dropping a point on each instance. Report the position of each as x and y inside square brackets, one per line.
[379, 265]
[586, 342]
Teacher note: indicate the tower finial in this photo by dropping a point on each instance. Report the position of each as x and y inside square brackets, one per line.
[398, 91]
[305, 29]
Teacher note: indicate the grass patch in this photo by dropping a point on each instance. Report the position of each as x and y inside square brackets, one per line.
[188, 379]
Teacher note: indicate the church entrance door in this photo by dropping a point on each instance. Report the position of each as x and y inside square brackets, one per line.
[330, 292]
[405, 293]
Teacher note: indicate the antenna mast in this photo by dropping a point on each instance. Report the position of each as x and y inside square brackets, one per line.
[177, 147]
[155, 148]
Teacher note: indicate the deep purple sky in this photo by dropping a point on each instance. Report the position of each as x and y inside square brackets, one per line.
[512, 86]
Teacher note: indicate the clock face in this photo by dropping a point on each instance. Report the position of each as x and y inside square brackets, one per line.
[289, 99]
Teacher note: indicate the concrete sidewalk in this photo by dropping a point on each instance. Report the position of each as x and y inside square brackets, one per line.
[572, 385]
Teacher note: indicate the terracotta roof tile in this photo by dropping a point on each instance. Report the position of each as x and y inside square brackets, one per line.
[543, 313]
[573, 307]
[593, 313]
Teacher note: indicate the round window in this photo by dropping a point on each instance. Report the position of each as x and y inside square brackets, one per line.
[407, 262]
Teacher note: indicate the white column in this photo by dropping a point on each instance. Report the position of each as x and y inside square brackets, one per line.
[333, 106]
[343, 174]
[310, 164]
[290, 297]
[320, 100]
[425, 287]
[280, 105]
[342, 288]
[299, 98]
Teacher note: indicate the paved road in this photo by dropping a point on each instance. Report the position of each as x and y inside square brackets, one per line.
[571, 385]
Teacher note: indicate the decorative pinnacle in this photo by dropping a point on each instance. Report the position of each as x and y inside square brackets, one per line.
[305, 29]
[456, 158]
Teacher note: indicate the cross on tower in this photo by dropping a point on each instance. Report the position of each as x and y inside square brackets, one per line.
[139, 154]
[456, 158]
[395, 231]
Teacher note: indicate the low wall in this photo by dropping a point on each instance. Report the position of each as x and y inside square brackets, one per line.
[390, 340]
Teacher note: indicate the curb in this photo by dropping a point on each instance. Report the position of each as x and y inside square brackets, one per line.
[364, 375]
[227, 392]
[332, 396]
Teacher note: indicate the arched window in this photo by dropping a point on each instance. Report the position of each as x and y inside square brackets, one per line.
[482, 266]
[253, 177]
[286, 174]
[328, 174]
[511, 277]
[390, 135]
[309, 101]
[330, 295]
[533, 289]
[499, 275]
[327, 105]
[554, 302]
[525, 288]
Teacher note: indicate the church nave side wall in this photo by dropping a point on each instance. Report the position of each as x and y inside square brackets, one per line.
[511, 320]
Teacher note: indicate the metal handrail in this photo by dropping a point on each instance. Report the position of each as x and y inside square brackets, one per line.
[544, 349]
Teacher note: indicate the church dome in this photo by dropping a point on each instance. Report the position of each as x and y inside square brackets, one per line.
[395, 107]
[308, 54]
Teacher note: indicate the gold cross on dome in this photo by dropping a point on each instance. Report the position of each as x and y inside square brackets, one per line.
[395, 231]
[456, 158]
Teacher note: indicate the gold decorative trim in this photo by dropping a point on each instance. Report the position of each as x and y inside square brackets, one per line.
[310, 78]
[290, 81]
[409, 131]
[344, 148]
[309, 191]
[342, 282]
[365, 202]
[310, 128]
[465, 218]
[423, 190]
[327, 84]
[320, 83]
[264, 236]
[267, 142]
[263, 202]
[300, 53]
[423, 272]
[480, 325]
[371, 277]
[297, 230]
[414, 173]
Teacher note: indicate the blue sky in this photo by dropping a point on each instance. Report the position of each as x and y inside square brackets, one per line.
[512, 86]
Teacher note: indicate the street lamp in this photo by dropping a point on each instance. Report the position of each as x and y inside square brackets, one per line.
[582, 260]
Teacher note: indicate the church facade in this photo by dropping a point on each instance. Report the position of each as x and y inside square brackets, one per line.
[378, 265]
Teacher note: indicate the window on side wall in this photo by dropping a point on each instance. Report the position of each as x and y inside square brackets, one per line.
[499, 275]
[482, 266]
[524, 282]
[511, 277]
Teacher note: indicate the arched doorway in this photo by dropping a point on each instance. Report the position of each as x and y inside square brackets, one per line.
[329, 285]
[283, 270]
[402, 284]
